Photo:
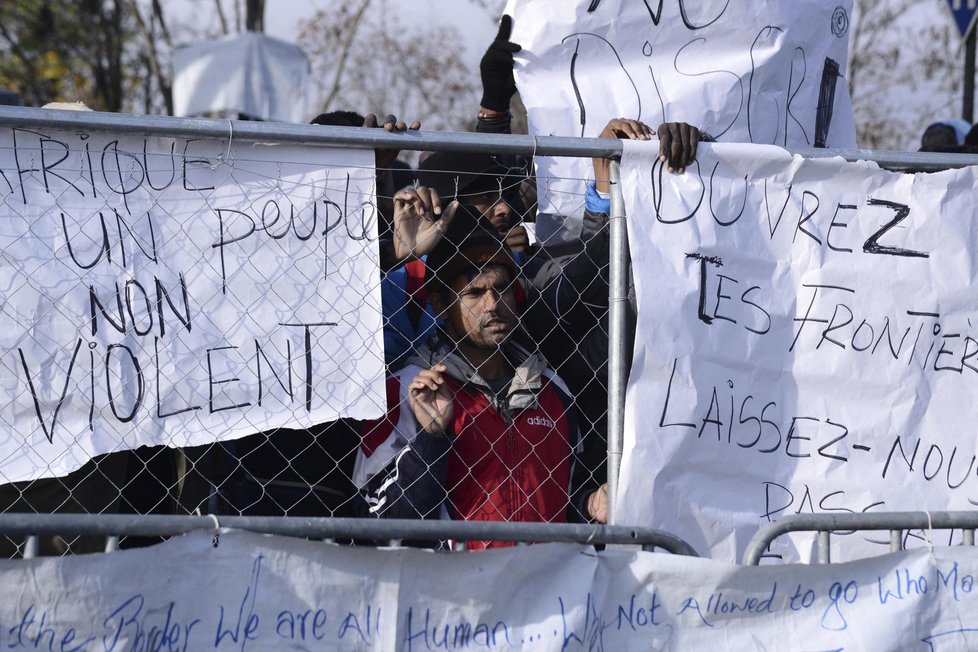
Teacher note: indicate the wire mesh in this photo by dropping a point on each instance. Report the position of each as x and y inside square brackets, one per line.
[308, 467]
[526, 359]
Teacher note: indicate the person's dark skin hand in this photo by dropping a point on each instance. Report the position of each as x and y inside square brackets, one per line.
[384, 157]
[618, 128]
[518, 240]
[496, 69]
[677, 145]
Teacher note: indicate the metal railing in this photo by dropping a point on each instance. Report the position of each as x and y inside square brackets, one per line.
[825, 524]
[391, 532]
[359, 138]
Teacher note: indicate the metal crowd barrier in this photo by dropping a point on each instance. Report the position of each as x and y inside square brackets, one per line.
[113, 526]
[826, 524]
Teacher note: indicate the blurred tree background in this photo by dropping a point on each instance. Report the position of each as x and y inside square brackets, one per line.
[905, 70]
[363, 56]
[59, 49]
[114, 55]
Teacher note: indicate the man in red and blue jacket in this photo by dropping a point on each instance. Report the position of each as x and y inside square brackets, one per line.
[477, 427]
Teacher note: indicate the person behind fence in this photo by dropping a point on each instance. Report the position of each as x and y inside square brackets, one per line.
[944, 135]
[486, 182]
[294, 471]
[567, 294]
[478, 427]
[475, 179]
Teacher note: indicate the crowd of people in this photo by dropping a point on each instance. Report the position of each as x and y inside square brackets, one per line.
[497, 348]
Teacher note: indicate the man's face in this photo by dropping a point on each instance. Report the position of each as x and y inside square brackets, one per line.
[484, 314]
[494, 207]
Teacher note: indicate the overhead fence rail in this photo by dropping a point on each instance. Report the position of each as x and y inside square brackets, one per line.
[195, 324]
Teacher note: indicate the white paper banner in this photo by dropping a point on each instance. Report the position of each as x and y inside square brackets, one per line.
[178, 292]
[807, 342]
[762, 71]
[254, 592]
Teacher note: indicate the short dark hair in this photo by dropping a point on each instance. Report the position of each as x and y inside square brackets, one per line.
[470, 244]
[339, 119]
[458, 174]
[938, 136]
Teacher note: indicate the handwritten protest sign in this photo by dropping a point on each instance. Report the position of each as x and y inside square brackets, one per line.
[765, 71]
[178, 292]
[265, 593]
[806, 343]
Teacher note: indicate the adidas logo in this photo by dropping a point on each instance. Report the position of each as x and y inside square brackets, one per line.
[540, 421]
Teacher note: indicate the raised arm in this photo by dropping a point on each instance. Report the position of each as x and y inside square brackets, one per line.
[419, 221]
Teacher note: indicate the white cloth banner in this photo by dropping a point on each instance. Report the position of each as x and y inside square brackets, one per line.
[761, 71]
[254, 592]
[807, 342]
[179, 292]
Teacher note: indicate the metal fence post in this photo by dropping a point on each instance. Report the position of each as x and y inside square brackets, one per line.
[617, 340]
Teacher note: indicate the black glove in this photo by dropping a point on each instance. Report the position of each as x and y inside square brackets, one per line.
[496, 67]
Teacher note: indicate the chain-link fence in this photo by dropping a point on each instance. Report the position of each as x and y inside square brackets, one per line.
[183, 298]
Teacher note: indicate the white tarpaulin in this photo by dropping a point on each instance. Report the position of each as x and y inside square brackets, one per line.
[763, 71]
[807, 342]
[250, 73]
[179, 292]
[254, 592]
